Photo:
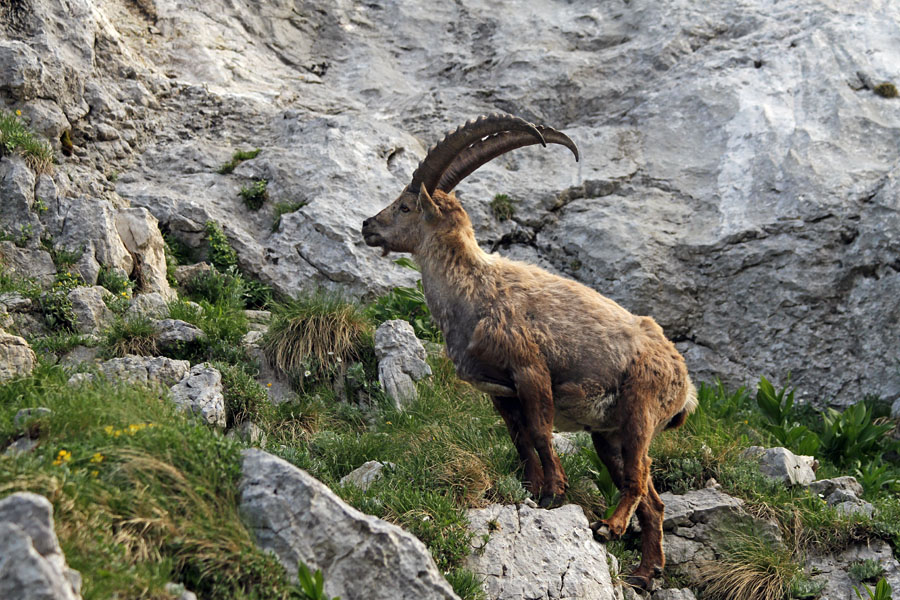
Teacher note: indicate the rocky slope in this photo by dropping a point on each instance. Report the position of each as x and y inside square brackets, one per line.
[739, 179]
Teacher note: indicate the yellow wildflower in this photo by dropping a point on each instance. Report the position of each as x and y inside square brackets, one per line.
[117, 433]
[388, 422]
[94, 473]
[108, 429]
[63, 456]
[268, 385]
[18, 113]
[97, 458]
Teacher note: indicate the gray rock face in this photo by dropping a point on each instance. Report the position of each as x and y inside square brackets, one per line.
[25, 415]
[173, 332]
[834, 568]
[152, 305]
[535, 553]
[157, 370]
[91, 312]
[301, 520]
[32, 564]
[140, 233]
[17, 359]
[200, 392]
[782, 464]
[364, 475]
[673, 594]
[401, 360]
[29, 263]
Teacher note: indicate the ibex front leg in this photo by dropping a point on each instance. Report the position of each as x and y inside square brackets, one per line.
[511, 411]
[536, 398]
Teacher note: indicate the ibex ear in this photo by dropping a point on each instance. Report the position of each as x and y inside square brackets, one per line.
[428, 205]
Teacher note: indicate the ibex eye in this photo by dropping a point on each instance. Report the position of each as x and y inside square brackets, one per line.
[404, 208]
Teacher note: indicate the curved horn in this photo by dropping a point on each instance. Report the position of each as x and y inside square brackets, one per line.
[445, 152]
[489, 148]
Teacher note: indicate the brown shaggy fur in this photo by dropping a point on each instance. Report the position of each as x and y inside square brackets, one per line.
[549, 351]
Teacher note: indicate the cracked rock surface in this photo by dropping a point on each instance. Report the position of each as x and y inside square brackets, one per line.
[538, 554]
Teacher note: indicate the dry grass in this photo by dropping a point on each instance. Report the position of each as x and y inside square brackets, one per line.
[316, 334]
[753, 568]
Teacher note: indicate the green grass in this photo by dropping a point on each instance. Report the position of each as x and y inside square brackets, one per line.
[16, 138]
[237, 158]
[134, 335]
[502, 207]
[141, 495]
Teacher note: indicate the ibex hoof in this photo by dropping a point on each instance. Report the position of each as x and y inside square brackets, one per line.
[638, 581]
[602, 532]
[552, 500]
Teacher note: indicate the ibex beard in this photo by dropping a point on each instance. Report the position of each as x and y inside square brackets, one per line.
[550, 351]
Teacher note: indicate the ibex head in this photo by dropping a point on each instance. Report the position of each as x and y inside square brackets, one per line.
[401, 227]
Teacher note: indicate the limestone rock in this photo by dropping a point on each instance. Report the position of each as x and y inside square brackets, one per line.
[29, 263]
[186, 273]
[536, 553]
[249, 432]
[278, 386]
[25, 415]
[299, 519]
[18, 217]
[32, 564]
[782, 464]
[152, 305]
[17, 359]
[401, 360]
[834, 568]
[365, 475]
[674, 594]
[200, 392]
[565, 443]
[825, 487]
[173, 333]
[91, 312]
[157, 370]
[140, 233]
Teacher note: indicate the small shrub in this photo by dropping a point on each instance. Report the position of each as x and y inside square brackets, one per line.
[853, 434]
[803, 587]
[237, 158]
[865, 570]
[135, 335]
[245, 399]
[55, 305]
[114, 281]
[63, 259]
[283, 208]
[502, 207]
[221, 254]
[314, 335]
[778, 408]
[256, 194]
[886, 90]
[15, 138]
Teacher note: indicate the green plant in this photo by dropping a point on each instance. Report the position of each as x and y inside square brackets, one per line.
[853, 434]
[21, 238]
[283, 208]
[237, 158]
[221, 254]
[752, 568]
[502, 207]
[112, 176]
[865, 570]
[408, 304]
[886, 90]
[114, 281]
[245, 399]
[59, 314]
[315, 334]
[39, 205]
[778, 408]
[135, 335]
[15, 138]
[882, 591]
[803, 587]
[875, 475]
[312, 585]
[256, 194]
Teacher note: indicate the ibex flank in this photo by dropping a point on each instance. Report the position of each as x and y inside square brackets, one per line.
[549, 351]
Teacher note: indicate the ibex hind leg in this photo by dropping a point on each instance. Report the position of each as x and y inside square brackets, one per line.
[511, 412]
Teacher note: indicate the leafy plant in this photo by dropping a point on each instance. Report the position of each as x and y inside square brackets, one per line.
[778, 408]
[853, 434]
[237, 158]
[882, 591]
[244, 397]
[221, 254]
[865, 570]
[803, 587]
[15, 138]
[114, 281]
[875, 475]
[408, 304]
[256, 194]
[59, 314]
[502, 207]
[312, 584]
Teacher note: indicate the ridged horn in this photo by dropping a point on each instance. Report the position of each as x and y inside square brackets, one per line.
[489, 148]
[445, 152]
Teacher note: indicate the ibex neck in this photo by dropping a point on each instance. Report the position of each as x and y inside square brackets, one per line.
[453, 264]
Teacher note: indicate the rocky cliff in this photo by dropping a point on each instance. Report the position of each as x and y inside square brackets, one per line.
[738, 182]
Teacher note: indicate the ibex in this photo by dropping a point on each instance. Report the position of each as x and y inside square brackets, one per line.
[548, 350]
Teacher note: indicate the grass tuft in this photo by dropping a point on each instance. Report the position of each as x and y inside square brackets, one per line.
[237, 158]
[15, 138]
[752, 568]
[502, 207]
[134, 335]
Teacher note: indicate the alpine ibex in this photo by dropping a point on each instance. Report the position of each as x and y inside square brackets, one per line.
[548, 350]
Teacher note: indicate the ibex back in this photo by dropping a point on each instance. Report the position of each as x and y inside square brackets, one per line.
[549, 351]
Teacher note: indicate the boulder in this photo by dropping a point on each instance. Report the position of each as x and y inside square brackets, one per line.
[139, 231]
[19, 219]
[200, 392]
[17, 359]
[91, 312]
[674, 594]
[536, 553]
[174, 333]
[782, 465]
[32, 564]
[24, 415]
[301, 521]
[401, 360]
[365, 475]
[834, 568]
[152, 305]
[156, 370]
